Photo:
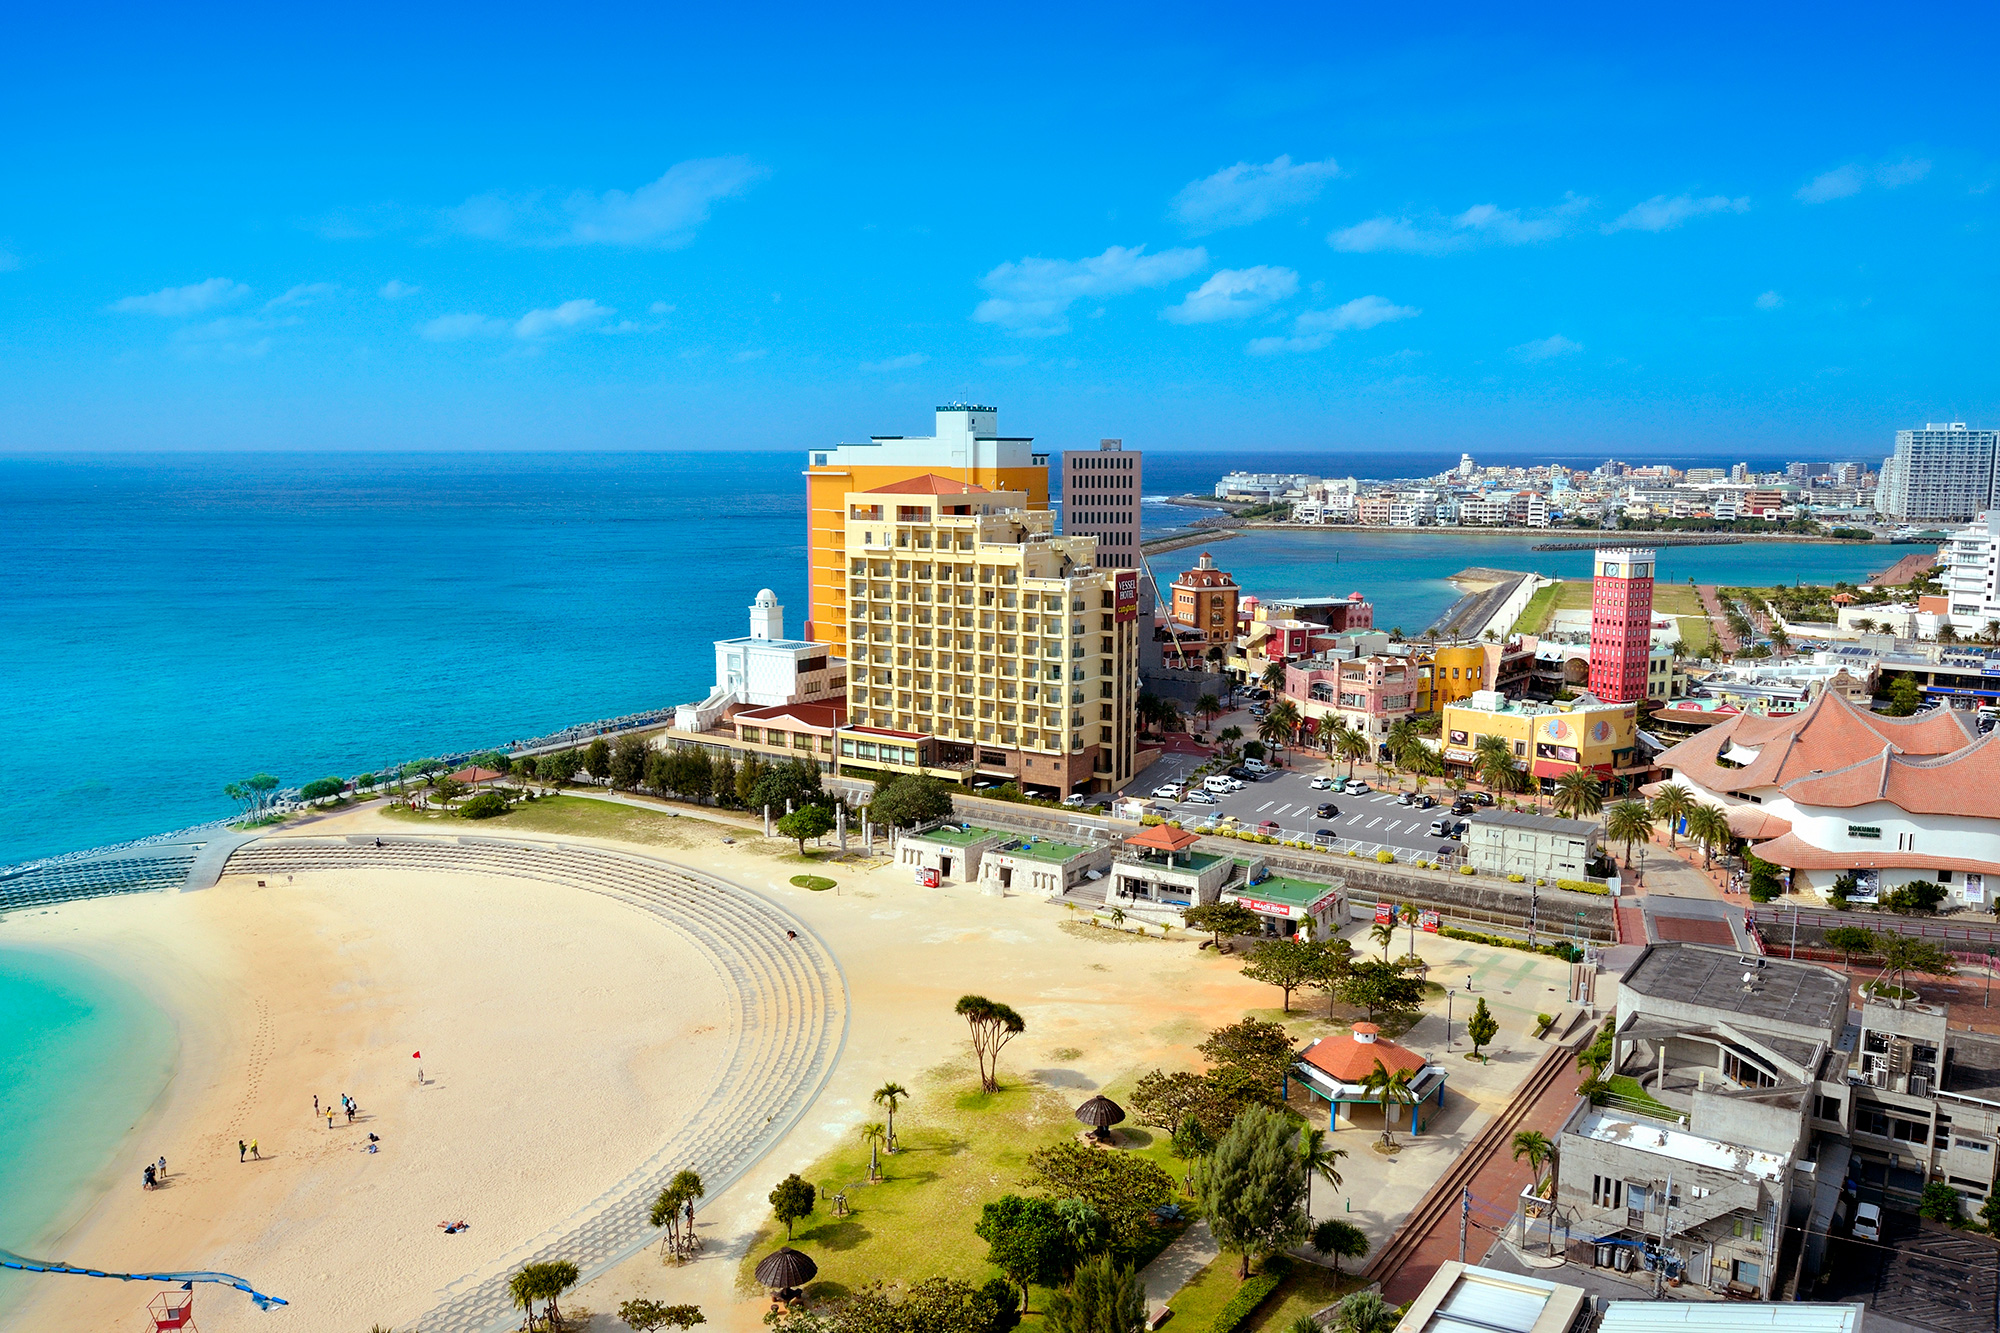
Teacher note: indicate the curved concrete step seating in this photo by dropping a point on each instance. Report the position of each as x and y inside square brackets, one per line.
[788, 1023]
[61, 882]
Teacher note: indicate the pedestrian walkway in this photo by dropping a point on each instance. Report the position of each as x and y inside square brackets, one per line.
[1176, 1266]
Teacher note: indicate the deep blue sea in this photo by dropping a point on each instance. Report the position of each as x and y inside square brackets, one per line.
[170, 623]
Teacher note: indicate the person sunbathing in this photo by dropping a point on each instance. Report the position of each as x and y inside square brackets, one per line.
[453, 1228]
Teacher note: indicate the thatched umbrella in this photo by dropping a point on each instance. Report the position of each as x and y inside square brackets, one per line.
[1100, 1113]
[785, 1271]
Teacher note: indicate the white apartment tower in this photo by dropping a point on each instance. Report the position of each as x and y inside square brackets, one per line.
[1100, 498]
[1944, 471]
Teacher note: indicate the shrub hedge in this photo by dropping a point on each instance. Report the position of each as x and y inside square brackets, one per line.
[1584, 886]
[1560, 949]
[1250, 1295]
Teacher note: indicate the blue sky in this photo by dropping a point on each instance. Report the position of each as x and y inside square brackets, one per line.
[1255, 229]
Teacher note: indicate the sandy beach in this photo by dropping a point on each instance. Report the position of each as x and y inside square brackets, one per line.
[562, 1041]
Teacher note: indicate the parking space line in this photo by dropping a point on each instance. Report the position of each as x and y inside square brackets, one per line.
[1262, 808]
[1373, 822]
[1393, 826]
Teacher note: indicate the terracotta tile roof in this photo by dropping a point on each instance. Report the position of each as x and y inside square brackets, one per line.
[1965, 782]
[1163, 838]
[1747, 821]
[827, 716]
[1794, 853]
[930, 484]
[1349, 1059]
[1829, 736]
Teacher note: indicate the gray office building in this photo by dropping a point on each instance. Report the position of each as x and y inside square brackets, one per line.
[1100, 498]
[1944, 471]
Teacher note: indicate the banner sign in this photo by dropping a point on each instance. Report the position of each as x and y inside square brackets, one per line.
[1125, 598]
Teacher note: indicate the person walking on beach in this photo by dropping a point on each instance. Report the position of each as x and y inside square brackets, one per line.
[163, 1169]
[241, 1148]
[253, 1151]
[329, 1117]
[315, 1106]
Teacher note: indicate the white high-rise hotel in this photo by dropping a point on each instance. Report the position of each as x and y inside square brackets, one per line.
[1943, 471]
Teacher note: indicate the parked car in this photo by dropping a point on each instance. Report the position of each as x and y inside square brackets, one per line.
[1242, 775]
[1868, 1222]
[1425, 802]
[1256, 710]
[1217, 783]
[1322, 783]
[1171, 791]
[1324, 835]
[1482, 798]
[1358, 787]
[1440, 828]
[1076, 800]
[1257, 766]
[1270, 826]
[1202, 798]
[1327, 810]
[1406, 799]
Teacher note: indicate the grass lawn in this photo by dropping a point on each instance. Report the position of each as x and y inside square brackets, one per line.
[1534, 616]
[1572, 595]
[576, 815]
[1627, 1089]
[1201, 1300]
[1310, 1288]
[1680, 599]
[960, 1149]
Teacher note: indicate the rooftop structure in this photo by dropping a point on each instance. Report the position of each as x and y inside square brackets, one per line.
[1730, 1317]
[1666, 1141]
[1100, 498]
[1462, 1298]
[1332, 1069]
[1796, 995]
[764, 669]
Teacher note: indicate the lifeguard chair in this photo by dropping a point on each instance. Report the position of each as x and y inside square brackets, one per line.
[173, 1310]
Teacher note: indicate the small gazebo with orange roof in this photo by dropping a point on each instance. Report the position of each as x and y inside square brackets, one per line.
[1163, 838]
[473, 775]
[1333, 1069]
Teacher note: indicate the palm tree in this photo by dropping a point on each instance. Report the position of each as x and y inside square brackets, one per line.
[1673, 804]
[1274, 677]
[1992, 632]
[1867, 626]
[1391, 1088]
[1403, 742]
[1579, 794]
[1535, 1147]
[1384, 934]
[889, 1096]
[1947, 633]
[1353, 748]
[874, 1135]
[1629, 822]
[1781, 642]
[1338, 1240]
[1280, 722]
[1708, 826]
[1319, 1158]
[1208, 708]
[1365, 1312]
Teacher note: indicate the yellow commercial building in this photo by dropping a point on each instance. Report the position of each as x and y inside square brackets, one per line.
[967, 450]
[1457, 672]
[981, 644]
[1546, 740]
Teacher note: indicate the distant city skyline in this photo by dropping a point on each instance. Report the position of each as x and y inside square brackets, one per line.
[1304, 233]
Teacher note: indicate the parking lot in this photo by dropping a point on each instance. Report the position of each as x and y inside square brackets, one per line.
[1922, 1275]
[1288, 799]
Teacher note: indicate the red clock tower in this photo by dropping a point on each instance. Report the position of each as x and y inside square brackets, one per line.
[1621, 625]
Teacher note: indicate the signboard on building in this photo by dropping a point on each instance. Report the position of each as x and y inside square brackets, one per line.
[1975, 888]
[1429, 921]
[1263, 908]
[1125, 598]
[1384, 912]
[1864, 831]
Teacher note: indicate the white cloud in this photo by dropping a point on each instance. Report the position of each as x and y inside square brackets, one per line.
[1316, 328]
[565, 318]
[9, 261]
[1247, 192]
[1545, 349]
[1844, 181]
[395, 289]
[1481, 224]
[1663, 214]
[178, 302]
[661, 308]
[1234, 293]
[305, 294]
[664, 214]
[1769, 301]
[457, 328]
[908, 361]
[1032, 297]
[748, 354]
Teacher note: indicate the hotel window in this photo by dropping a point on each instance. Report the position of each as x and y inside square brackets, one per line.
[749, 733]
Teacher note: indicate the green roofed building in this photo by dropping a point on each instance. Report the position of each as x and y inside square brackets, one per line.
[1285, 905]
[1030, 864]
[949, 851]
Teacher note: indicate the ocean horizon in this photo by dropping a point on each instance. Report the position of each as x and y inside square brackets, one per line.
[181, 621]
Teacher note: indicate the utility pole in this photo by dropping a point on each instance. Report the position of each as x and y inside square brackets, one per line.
[1534, 905]
[1464, 1216]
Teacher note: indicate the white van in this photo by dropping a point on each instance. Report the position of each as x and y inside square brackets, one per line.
[1220, 784]
[1257, 766]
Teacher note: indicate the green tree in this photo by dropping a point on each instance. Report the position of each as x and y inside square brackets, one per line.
[1851, 940]
[1104, 1296]
[1380, 988]
[890, 1096]
[794, 780]
[1221, 918]
[1279, 723]
[1319, 1158]
[557, 768]
[1124, 1189]
[597, 759]
[1629, 822]
[1904, 954]
[1708, 826]
[791, 1200]
[1482, 1027]
[483, 806]
[1579, 795]
[910, 799]
[1251, 1188]
[808, 821]
[1339, 1240]
[673, 1210]
[1391, 1087]
[1533, 1146]
[1025, 1239]
[934, 1305]
[1365, 1312]
[1169, 1100]
[748, 774]
[1353, 747]
[1940, 1203]
[1917, 896]
[628, 761]
[993, 1025]
[1208, 708]
[254, 793]
[1904, 696]
[1764, 882]
[874, 1135]
[723, 777]
[650, 1316]
[1274, 677]
[321, 788]
[1287, 964]
[1384, 934]
[545, 1282]
[1261, 1053]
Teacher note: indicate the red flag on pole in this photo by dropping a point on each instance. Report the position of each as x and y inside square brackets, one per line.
[416, 1055]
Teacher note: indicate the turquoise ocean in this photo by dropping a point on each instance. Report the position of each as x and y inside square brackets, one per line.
[170, 623]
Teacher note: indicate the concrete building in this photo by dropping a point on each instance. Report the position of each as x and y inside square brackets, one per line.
[1288, 906]
[1159, 865]
[966, 449]
[1504, 842]
[1204, 598]
[766, 669]
[1836, 789]
[1549, 739]
[1969, 573]
[1100, 498]
[1034, 864]
[1369, 694]
[985, 642]
[1944, 471]
[1464, 1298]
[1621, 624]
[949, 851]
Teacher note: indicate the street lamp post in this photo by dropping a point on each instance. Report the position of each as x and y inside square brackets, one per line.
[1449, 996]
